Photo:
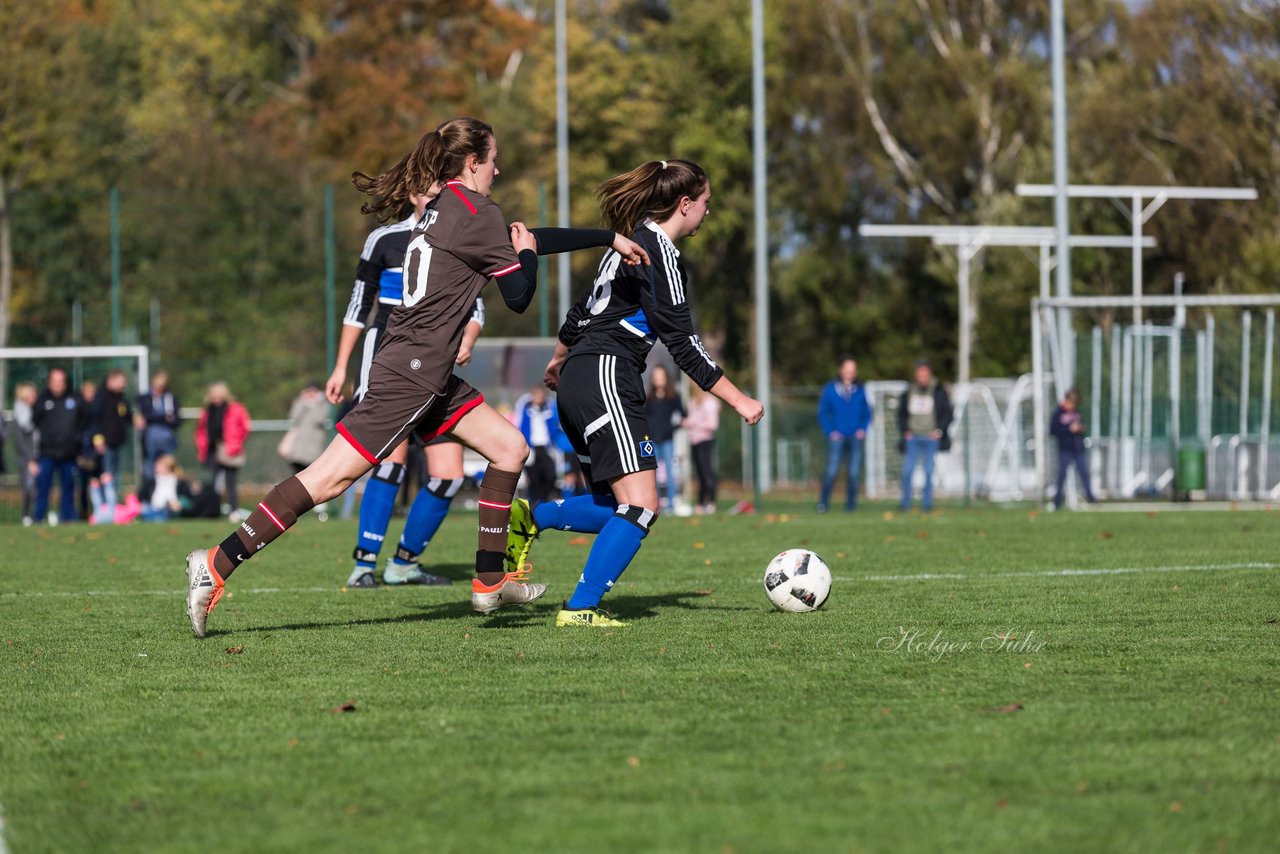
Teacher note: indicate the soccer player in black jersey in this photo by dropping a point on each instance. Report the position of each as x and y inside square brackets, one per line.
[460, 244]
[598, 367]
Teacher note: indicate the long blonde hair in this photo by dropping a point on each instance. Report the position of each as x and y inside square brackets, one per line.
[440, 155]
[652, 190]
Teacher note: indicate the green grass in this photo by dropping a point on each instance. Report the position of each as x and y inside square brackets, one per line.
[1149, 719]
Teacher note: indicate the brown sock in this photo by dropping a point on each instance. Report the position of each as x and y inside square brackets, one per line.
[276, 514]
[496, 491]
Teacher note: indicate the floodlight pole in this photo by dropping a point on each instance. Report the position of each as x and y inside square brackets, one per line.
[763, 390]
[1061, 212]
[562, 149]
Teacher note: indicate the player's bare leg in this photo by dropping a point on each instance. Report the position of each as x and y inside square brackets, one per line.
[493, 437]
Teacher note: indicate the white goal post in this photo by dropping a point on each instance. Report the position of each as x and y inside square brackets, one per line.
[1164, 386]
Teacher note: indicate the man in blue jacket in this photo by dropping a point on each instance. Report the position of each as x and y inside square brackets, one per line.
[845, 414]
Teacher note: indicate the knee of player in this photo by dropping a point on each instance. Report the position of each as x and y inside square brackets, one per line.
[643, 518]
[514, 453]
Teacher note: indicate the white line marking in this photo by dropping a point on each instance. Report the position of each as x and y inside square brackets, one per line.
[71, 593]
[923, 576]
[1064, 573]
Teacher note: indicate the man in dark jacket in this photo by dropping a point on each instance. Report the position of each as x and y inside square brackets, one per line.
[111, 418]
[1067, 426]
[60, 420]
[924, 415]
[845, 414]
[158, 419]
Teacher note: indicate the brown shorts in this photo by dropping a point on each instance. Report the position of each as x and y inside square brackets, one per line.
[394, 407]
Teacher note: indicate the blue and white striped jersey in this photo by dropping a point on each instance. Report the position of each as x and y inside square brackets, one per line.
[380, 274]
[629, 309]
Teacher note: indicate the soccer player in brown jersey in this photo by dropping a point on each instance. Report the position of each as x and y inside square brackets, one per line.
[461, 242]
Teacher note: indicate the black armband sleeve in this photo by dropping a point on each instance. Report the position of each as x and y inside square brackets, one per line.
[553, 241]
[519, 286]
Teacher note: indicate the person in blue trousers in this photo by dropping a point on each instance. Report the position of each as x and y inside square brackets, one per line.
[1067, 426]
[845, 414]
[924, 415]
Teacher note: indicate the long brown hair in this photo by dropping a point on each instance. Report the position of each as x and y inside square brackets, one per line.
[440, 155]
[652, 190]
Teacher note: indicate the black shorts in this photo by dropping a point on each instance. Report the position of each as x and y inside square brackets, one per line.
[372, 338]
[395, 407]
[601, 404]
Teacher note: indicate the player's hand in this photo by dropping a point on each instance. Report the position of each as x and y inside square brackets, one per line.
[333, 387]
[522, 238]
[632, 253]
[750, 409]
[551, 379]
[464, 355]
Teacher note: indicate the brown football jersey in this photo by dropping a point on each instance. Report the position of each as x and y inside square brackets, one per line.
[459, 244]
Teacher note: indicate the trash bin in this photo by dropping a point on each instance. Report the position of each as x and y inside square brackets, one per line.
[1192, 479]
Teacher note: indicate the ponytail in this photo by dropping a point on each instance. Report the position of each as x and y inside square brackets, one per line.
[439, 156]
[652, 190]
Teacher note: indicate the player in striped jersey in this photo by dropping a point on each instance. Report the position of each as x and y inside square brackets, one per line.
[599, 365]
[380, 281]
[460, 244]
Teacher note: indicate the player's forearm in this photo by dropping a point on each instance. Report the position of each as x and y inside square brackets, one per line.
[554, 241]
[728, 392]
[471, 334]
[346, 346]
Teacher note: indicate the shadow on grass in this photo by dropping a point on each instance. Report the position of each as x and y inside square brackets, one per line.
[629, 607]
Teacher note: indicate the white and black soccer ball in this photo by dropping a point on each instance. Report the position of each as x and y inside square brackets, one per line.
[797, 581]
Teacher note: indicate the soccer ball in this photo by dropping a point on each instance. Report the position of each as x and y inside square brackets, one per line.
[797, 581]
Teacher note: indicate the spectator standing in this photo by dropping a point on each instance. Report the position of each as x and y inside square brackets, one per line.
[537, 419]
[845, 414]
[158, 420]
[60, 419]
[111, 416]
[308, 433]
[220, 439]
[924, 415]
[24, 438]
[1067, 426]
[665, 413]
[89, 461]
[701, 424]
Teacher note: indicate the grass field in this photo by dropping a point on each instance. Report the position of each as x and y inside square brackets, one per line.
[1128, 710]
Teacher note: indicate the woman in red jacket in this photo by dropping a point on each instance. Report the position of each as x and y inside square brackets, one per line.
[220, 439]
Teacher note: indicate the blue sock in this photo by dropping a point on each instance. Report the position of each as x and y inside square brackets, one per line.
[585, 514]
[375, 513]
[611, 553]
[425, 516]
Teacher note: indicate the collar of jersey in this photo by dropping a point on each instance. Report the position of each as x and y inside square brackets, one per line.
[662, 235]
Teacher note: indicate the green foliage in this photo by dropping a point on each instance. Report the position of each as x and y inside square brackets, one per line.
[221, 121]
